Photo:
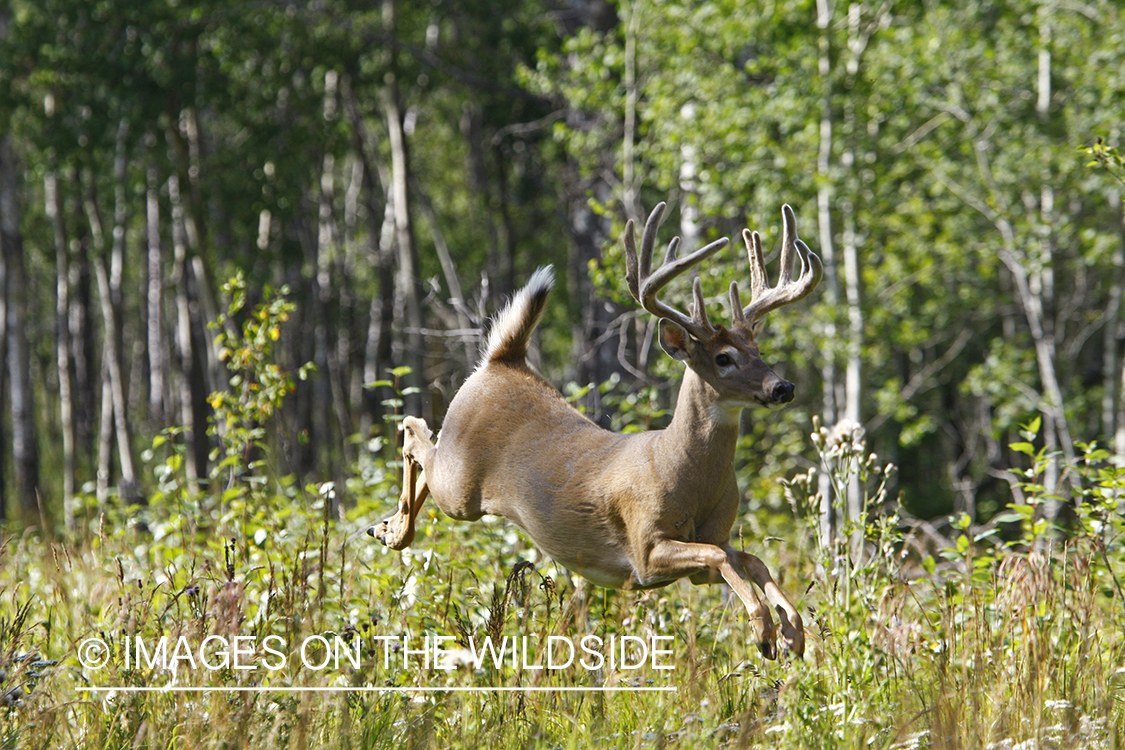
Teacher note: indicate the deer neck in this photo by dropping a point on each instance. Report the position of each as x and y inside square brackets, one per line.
[703, 431]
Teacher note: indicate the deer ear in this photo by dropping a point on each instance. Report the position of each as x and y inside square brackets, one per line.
[677, 342]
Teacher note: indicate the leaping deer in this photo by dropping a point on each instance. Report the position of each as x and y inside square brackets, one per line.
[633, 511]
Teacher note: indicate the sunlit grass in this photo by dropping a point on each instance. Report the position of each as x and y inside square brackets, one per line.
[1022, 652]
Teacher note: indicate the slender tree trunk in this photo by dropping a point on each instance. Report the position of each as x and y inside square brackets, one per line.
[380, 222]
[154, 300]
[629, 187]
[452, 282]
[378, 352]
[853, 376]
[104, 472]
[25, 447]
[324, 249]
[1114, 402]
[1056, 431]
[380, 230]
[350, 381]
[4, 402]
[409, 281]
[187, 143]
[116, 325]
[830, 411]
[499, 266]
[83, 356]
[3, 381]
[114, 372]
[115, 421]
[54, 212]
[347, 342]
[195, 455]
[509, 238]
[689, 167]
[1042, 281]
[409, 287]
[329, 387]
[595, 354]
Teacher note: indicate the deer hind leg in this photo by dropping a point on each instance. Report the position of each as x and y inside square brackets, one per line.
[397, 532]
[708, 563]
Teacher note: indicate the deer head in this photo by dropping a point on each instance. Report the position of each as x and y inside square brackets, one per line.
[728, 360]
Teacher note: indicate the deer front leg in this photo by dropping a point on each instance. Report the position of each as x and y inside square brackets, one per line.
[397, 532]
[792, 628]
[671, 558]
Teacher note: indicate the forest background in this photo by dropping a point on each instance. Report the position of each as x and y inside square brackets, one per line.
[398, 168]
[403, 167]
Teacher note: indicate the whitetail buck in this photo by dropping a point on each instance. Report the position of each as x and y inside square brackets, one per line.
[633, 511]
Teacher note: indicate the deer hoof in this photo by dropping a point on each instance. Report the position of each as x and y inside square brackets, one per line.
[765, 635]
[792, 634]
[794, 645]
[395, 535]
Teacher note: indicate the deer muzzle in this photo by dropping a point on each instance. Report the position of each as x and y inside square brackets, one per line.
[781, 393]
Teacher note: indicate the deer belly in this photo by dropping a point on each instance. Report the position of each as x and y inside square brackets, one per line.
[608, 569]
[587, 553]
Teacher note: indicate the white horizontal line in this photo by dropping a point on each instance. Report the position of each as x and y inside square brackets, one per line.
[194, 689]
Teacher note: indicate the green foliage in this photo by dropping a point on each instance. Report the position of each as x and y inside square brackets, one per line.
[987, 643]
[633, 409]
[1106, 157]
[257, 384]
[244, 487]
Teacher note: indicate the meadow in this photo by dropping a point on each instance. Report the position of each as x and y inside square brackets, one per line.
[261, 615]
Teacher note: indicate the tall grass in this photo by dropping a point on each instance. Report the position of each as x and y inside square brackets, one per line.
[1009, 636]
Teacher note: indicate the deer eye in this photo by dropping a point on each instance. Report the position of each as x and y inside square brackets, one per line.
[723, 360]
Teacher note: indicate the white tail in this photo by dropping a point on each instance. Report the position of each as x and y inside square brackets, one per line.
[625, 511]
[512, 326]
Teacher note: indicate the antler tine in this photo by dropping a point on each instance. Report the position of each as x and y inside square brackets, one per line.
[736, 305]
[648, 239]
[759, 280]
[698, 307]
[631, 261]
[788, 237]
[639, 267]
[644, 284]
[763, 297]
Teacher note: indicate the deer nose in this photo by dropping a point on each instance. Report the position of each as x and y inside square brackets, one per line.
[782, 392]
